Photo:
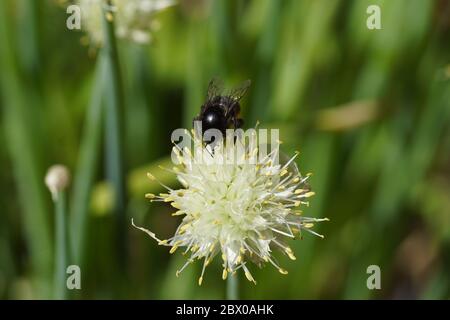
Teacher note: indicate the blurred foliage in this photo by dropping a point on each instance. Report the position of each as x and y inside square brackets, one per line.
[369, 111]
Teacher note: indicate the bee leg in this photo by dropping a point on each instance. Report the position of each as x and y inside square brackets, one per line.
[238, 123]
[234, 109]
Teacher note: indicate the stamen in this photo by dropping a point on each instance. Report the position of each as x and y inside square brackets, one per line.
[248, 275]
[151, 234]
[224, 274]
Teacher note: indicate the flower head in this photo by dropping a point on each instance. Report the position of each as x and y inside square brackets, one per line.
[57, 179]
[240, 206]
[134, 18]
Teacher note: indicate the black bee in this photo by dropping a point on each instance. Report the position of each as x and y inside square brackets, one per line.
[221, 110]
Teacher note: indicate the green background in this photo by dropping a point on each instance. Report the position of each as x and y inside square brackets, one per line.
[369, 111]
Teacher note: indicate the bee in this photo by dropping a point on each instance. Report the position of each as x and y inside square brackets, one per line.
[221, 110]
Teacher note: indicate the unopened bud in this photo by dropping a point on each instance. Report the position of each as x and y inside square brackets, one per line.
[57, 179]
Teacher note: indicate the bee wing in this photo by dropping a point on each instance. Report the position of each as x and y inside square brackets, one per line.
[215, 88]
[238, 92]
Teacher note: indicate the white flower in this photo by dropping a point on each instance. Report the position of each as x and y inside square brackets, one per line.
[242, 210]
[134, 18]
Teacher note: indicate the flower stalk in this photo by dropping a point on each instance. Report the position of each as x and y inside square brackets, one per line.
[57, 179]
[61, 252]
[113, 94]
[233, 287]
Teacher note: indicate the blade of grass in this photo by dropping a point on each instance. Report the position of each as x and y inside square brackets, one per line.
[319, 158]
[28, 31]
[27, 171]
[144, 125]
[86, 168]
[137, 183]
[265, 55]
[7, 263]
[113, 129]
[195, 80]
[297, 54]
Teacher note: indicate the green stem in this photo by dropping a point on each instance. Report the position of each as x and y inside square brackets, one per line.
[232, 287]
[114, 124]
[86, 168]
[20, 141]
[61, 251]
